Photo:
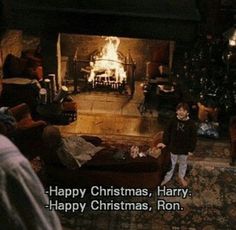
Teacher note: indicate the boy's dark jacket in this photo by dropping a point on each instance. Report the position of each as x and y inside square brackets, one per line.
[180, 136]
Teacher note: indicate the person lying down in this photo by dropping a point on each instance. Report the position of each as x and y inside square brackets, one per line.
[72, 151]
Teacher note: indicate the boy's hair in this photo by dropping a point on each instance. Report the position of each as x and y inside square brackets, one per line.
[183, 105]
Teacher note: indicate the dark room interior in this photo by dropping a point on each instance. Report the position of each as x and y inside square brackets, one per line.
[112, 73]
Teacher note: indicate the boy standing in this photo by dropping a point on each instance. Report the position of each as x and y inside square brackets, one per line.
[180, 137]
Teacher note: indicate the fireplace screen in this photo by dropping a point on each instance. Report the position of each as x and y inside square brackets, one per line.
[107, 68]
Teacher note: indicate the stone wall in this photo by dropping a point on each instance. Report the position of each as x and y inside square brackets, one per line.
[30, 42]
[10, 43]
[141, 50]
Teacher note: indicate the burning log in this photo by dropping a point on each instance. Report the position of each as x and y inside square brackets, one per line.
[108, 68]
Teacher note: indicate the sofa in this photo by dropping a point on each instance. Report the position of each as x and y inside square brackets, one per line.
[232, 133]
[106, 169]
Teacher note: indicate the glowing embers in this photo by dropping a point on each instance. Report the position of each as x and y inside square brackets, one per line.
[107, 66]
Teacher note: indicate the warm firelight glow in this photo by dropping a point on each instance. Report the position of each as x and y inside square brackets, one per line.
[107, 64]
[232, 40]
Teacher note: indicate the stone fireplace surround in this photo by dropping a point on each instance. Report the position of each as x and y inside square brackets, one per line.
[78, 48]
[56, 49]
[53, 23]
[159, 20]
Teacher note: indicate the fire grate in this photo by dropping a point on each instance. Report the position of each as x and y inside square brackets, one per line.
[107, 69]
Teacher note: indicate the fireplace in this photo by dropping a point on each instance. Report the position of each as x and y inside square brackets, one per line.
[146, 31]
[157, 20]
[106, 68]
[108, 63]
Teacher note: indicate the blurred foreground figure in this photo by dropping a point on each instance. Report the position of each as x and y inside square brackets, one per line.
[22, 197]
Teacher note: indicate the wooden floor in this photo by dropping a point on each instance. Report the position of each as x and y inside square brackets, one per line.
[110, 113]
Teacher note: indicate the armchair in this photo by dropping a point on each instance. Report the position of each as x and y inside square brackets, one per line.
[27, 133]
[20, 83]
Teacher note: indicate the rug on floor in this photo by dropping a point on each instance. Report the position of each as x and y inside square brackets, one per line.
[212, 205]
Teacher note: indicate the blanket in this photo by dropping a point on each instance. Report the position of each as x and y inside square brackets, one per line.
[75, 151]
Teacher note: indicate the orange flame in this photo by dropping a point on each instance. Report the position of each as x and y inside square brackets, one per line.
[109, 62]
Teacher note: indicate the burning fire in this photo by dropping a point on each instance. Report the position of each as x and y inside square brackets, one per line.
[107, 65]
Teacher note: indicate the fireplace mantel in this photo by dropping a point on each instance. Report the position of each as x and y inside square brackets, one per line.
[166, 20]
